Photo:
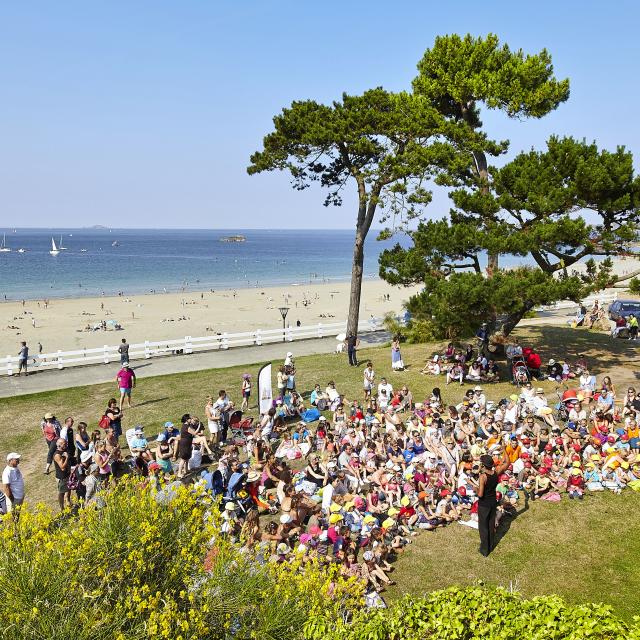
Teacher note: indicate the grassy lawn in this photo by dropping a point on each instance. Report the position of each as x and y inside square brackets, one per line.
[585, 552]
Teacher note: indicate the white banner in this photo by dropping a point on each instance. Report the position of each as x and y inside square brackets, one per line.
[265, 390]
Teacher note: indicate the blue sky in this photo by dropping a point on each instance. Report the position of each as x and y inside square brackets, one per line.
[144, 114]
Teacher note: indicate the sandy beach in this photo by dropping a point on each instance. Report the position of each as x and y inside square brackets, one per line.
[62, 323]
[65, 324]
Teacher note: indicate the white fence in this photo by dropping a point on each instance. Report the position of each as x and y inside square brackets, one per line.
[188, 344]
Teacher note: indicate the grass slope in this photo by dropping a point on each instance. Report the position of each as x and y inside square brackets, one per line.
[585, 552]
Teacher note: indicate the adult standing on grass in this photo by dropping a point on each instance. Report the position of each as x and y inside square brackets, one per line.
[185, 444]
[488, 501]
[114, 414]
[123, 350]
[352, 343]
[23, 357]
[396, 357]
[51, 432]
[62, 465]
[13, 483]
[126, 379]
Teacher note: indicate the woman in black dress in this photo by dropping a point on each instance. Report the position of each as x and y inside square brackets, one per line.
[185, 444]
[487, 501]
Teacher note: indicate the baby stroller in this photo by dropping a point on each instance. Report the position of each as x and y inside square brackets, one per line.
[567, 398]
[520, 373]
[240, 428]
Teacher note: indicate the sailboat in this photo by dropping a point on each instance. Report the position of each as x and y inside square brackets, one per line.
[60, 247]
[3, 246]
[54, 250]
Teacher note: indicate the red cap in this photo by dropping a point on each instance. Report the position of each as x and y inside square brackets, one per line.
[498, 496]
[559, 441]
[575, 458]
[525, 455]
[543, 470]
[445, 492]
[611, 439]
[527, 465]
[548, 447]
[576, 447]
[462, 491]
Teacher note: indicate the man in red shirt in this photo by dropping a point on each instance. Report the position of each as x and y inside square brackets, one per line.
[126, 380]
[534, 363]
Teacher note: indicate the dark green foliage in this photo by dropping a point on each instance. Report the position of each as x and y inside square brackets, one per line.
[455, 307]
[530, 207]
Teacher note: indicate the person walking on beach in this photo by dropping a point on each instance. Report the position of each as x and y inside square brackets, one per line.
[23, 357]
[123, 350]
[126, 380]
[352, 343]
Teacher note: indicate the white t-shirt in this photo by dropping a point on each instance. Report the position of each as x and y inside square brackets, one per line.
[511, 415]
[12, 476]
[369, 377]
[387, 387]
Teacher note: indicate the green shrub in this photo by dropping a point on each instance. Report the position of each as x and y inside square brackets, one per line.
[483, 614]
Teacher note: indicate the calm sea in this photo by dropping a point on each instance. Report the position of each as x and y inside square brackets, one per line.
[98, 261]
[142, 260]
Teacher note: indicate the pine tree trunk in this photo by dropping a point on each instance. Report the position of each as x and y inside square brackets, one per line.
[513, 319]
[356, 283]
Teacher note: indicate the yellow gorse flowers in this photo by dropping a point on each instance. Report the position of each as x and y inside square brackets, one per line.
[134, 569]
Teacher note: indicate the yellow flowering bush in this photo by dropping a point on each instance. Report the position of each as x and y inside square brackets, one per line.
[152, 565]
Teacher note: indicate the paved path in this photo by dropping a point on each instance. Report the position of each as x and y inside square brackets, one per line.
[97, 373]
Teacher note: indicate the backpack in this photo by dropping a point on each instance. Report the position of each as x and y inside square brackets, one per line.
[310, 415]
[104, 423]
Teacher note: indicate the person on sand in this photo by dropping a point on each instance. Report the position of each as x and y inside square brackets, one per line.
[487, 500]
[126, 380]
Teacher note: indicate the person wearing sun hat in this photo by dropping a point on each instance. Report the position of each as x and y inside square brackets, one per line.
[13, 483]
[575, 483]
